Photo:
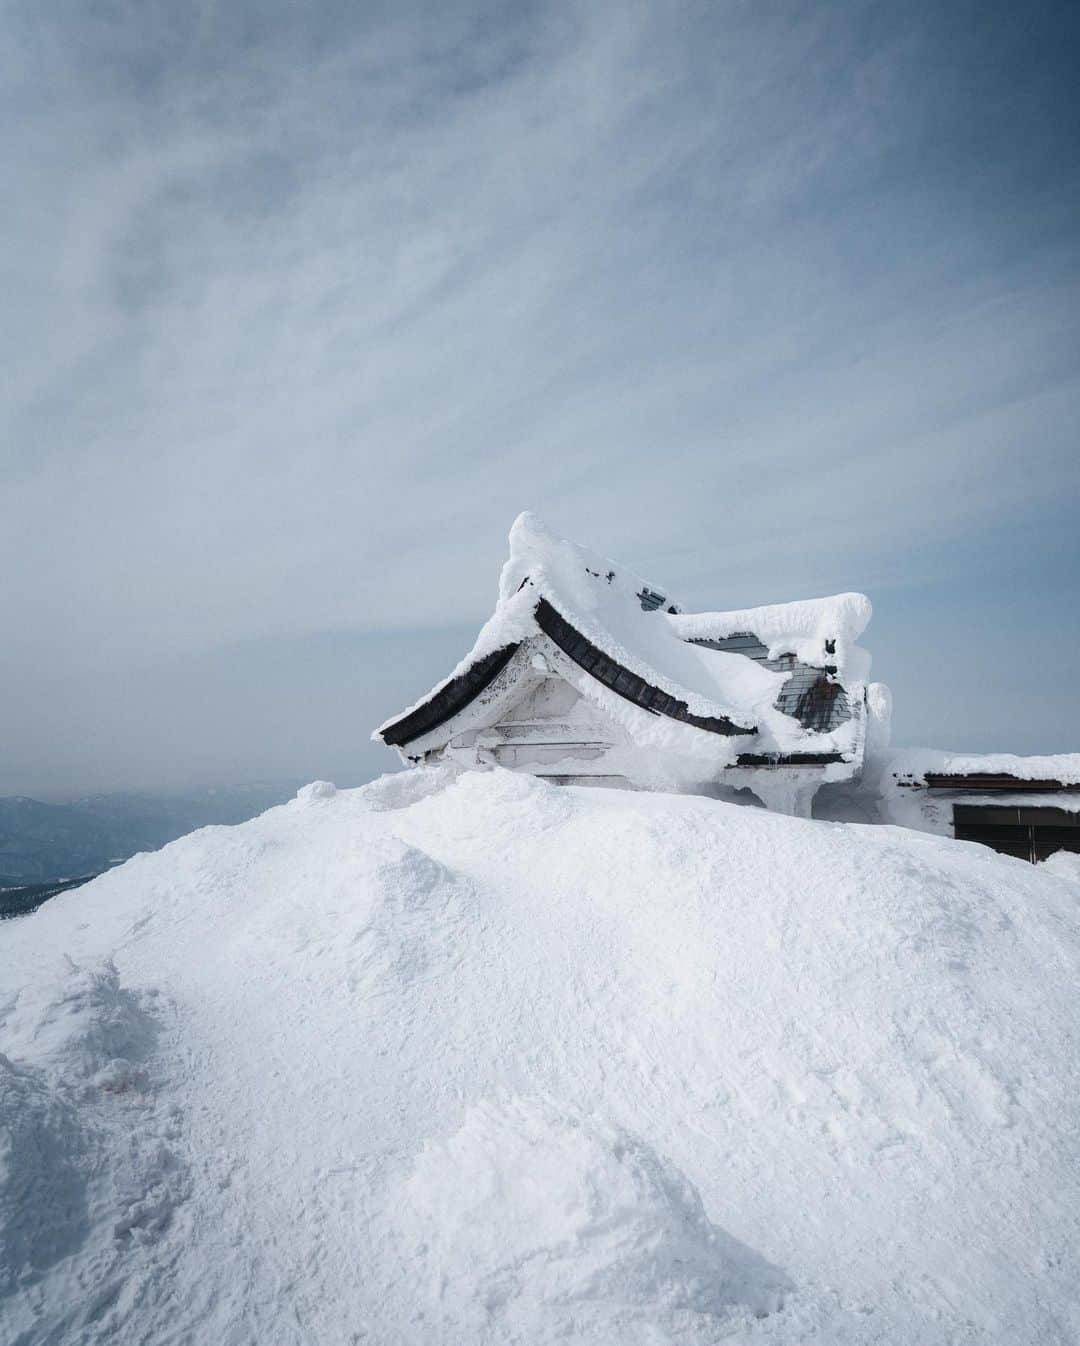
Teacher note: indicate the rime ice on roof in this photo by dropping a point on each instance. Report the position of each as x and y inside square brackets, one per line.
[587, 672]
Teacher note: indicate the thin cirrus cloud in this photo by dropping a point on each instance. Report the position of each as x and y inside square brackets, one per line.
[304, 306]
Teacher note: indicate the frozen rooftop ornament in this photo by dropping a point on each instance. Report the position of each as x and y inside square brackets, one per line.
[650, 600]
[586, 674]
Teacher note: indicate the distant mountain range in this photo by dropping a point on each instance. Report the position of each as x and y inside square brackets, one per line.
[43, 843]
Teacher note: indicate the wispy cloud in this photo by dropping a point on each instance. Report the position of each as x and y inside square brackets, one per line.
[305, 305]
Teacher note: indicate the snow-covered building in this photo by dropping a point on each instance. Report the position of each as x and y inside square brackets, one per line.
[588, 674]
[1028, 807]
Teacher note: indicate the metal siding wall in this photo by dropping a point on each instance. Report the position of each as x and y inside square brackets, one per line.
[807, 696]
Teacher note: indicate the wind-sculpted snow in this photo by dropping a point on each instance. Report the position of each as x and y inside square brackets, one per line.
[89, 1172]
[531, 1213]
[466, 1058]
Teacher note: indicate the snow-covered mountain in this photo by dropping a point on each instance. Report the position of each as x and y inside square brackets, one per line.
[473, 1059]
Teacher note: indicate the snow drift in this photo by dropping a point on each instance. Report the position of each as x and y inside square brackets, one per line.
[475, 1059]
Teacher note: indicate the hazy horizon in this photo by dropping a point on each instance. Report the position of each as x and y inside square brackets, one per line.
[304, 306]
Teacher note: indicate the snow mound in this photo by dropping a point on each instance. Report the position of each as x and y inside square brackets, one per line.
[84, 1025]
[400, 789]
[1064, 864]
[88, 1165]
[529, 1214]
[467, 1058]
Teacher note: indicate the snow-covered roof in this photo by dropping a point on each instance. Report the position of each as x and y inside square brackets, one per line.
[644, 654]
[920, 766]
[807, 628]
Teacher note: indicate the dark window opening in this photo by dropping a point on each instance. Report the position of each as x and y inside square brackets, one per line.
[1028, 833]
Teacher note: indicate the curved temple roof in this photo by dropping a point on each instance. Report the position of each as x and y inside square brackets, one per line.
[451, 698]
[661, 665]
[621, 680]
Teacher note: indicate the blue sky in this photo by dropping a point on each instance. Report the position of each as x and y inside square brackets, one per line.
[304, 304]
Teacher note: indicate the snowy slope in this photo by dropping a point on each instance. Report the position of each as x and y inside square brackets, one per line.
[474, 1059]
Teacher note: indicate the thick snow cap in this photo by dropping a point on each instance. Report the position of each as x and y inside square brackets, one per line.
[635, 624]
[913, 765]
[805, 629]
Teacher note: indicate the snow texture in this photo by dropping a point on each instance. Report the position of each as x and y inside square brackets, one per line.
[1064, 864]
[601, 599]
[461, 1057]
[533, 1213]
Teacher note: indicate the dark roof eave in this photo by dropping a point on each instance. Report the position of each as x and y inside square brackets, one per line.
[461, 691]
[619, 679]
[751, 759]
[450, 699]
[990, 781]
